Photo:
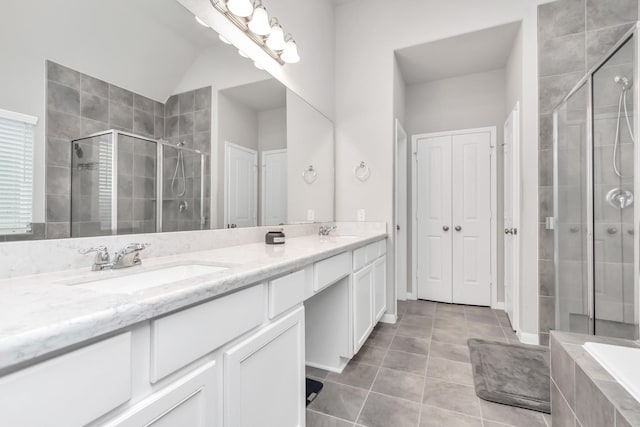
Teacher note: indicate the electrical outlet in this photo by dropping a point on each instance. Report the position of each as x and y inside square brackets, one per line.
[361, 215]
[311, 215]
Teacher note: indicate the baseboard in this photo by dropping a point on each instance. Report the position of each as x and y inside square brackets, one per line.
[388, 318]
[528, 338]
[498, 306]
[413, 296]
[338, 370]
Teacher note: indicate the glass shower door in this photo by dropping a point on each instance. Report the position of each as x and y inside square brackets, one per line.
[571, 231]
[613, 195]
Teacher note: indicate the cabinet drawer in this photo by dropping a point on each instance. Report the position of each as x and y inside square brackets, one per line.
[359, 258]
[180, 338]
[285, 292]
[376, 250]
[330, 270]
[69, 390]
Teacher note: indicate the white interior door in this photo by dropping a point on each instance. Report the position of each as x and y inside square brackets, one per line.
[434, 249]
[471, 214]
[401, 212]
[511, 214]
[274, 187]
[241, 186]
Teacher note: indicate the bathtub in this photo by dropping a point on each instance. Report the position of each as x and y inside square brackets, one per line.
[622, 363]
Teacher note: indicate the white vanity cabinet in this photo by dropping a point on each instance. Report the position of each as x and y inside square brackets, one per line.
[369, 290]
[264, 376]
[190, 401]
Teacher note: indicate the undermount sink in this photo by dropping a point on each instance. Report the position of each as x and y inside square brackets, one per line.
[135, 282]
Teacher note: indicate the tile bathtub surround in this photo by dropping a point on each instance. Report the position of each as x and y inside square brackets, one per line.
[582, 392]
[42, 313]
[572, 36]
[400, 380]
[79, 105]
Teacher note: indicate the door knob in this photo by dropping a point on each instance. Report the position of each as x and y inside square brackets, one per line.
[514, 231]
[458, 228]
[445, 227]
[507, 231]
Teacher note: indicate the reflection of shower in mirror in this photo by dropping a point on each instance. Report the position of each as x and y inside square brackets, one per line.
[183, 206]
[625, 85]
[620, 198]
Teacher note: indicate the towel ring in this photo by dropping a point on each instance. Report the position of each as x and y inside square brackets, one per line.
[309, 175]
[362, 171]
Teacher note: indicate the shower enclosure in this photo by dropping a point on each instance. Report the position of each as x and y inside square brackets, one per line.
[122, 183]
[595, 215]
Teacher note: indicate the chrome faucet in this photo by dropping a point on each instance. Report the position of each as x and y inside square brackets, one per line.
[325, 230]
[129, 255]
[125, 257]
[102, 260]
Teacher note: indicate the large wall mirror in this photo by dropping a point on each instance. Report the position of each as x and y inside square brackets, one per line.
[148, 122]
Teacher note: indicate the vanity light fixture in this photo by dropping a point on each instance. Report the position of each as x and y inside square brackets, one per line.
[275, 40]
[251, 17]
[290, 52]
[201, 22]
[241, 53]
[258, 66]
[259, 22]
[240, 8]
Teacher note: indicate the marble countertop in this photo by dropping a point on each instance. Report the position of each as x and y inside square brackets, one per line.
[41, 314]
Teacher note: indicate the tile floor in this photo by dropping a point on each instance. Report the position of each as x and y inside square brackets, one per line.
[417, 373]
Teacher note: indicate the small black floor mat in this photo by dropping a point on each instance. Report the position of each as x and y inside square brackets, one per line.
[313, 389]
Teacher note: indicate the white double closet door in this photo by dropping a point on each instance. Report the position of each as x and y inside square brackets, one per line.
[454, 217]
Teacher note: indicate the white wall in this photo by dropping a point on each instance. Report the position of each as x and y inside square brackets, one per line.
[273, 129]
[367, 33]
[465, 102]
[112, 40]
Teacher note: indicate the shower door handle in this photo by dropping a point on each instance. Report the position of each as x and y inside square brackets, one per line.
[445, 227]
[458, 228]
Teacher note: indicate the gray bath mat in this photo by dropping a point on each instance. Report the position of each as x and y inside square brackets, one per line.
[512, 374]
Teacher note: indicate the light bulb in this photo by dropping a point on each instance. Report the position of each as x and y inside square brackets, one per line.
[290, 53]
[223, 39]
[241, 8]
[275, 41]
[201, 22]
[241, 53]
[259, 23]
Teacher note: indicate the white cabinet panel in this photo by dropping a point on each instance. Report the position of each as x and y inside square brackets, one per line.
[69, 390]
[380, 287]
[264, 376]
[285, 292]
[330, 270]
[190, 401]
[362, 306]
[201, 329]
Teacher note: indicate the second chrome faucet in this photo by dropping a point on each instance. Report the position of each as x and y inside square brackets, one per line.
[128, 256]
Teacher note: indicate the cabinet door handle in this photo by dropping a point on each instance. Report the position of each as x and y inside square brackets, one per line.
[458, 228]
[445, 227]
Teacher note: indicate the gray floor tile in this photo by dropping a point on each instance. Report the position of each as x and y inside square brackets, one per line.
[454, 397]
[316, 419]
[386, 328]
[437, 417]
[487, 318]
[414, 331]
[385, 411]
[339, 401]
[378, 339]
[444, 350]
[450, 371]
[408, 362]
[415, 320]
[316, 372]
[370, 355]
[452, 325]
[399, 384]
[355, 374]
[444, 335]
[421, 308]
[441, 307]
[510, 415]
[410, 345]
[479, 330]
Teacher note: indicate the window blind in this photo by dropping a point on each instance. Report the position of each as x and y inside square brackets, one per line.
[17, 133]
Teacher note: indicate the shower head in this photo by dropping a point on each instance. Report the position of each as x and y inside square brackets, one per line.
[623, 81]
[78, 150]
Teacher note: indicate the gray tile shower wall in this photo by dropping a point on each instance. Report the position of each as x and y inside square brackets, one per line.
[79, 105]
[572, 36]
